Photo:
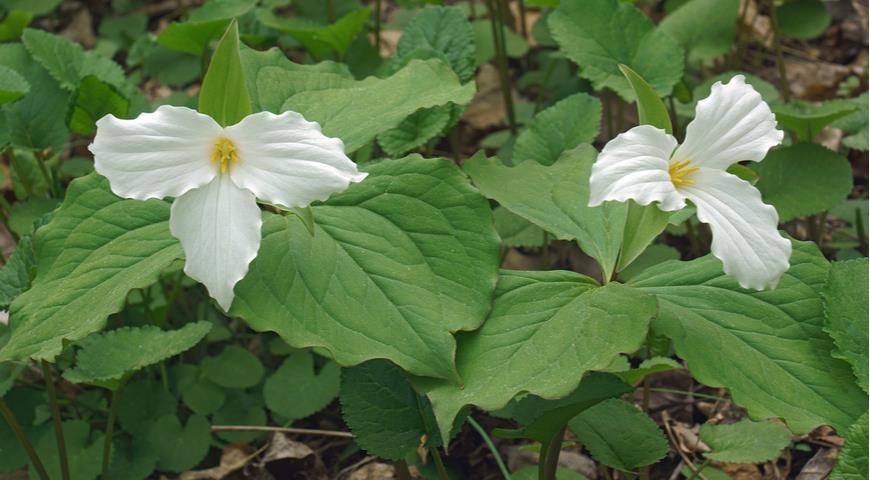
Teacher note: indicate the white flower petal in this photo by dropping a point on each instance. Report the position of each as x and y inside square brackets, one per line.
[286, 160]
[634, 165]
[219, 228]
[156, 155]
[745, 235]
[731, 125]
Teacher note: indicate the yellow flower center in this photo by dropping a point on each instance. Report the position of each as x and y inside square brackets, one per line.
[680, 171]
[224, 153]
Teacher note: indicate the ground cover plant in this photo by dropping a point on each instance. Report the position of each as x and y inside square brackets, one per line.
[279, 239]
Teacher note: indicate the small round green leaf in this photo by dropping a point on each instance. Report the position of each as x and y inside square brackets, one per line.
[140, 403]
[296, 391]
[234, 367]
[803, 179]
[178, 447]
[745, 441]
[802, 19]
[203, 397]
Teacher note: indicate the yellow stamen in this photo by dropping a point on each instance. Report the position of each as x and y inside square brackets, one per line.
[679, 171]
[224, 153]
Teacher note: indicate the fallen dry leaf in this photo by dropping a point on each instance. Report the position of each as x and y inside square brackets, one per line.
[819, 466]
[374, 471]
[487, 108]
[233, 457]
[81, 29]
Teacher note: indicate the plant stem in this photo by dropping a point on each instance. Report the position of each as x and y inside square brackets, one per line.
[19, 170]
[298, 431]
[58, 425]
[110, 430]
[7, 415]
[777, 45]
[700, 469]
[439, 464]
[688, 393]
[330, 11]
[402, 471]
[495, 18]
[46, 175]
[378, 26]
[501, 466]
[549, 459]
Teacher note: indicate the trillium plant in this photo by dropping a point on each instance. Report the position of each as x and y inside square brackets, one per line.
[268, 241]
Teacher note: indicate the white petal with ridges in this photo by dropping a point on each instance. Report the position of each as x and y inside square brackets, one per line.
[286, 160]
[219, 228]
[745, 235]
[161, 154]
[634, 165]
[731, 125]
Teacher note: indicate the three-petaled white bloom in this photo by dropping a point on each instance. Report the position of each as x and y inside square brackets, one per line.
[216, 175]
[732, 124]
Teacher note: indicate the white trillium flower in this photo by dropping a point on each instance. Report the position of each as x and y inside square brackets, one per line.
[646, 165]
[217, 174]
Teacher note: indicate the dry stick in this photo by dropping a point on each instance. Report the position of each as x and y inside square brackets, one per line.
[666, 421]
[299, 431]
[7, 414]
[780, 62]
[58, 425]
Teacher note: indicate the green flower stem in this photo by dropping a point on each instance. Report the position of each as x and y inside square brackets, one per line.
[784, 87]
[47, 176]
[19, 170]
[55, 415]
[495, 20]
[110, 430]
[548, 462]
[439, 464]
[501, 466]
[685, 392]
[697, 473]
[7, 415]
[378, 26]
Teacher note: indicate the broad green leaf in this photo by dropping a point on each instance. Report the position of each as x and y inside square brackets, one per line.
[559, 128]
[28, 183]
[807, 119]
[413, 246]
[381, 409]
[619, 435]
[555, 198]
[583, 326]
[141, 403]
[234, 367]
[709, 472]
[255, 62]
[516, 231]
[320, 11]
[778, 355]
[855, 124]
[745, 441]
[296, 390]
[14, 24]
[317, 38]
[802, 19]
[276, 84]
[704, 28]
[205, 23]
[67, 62]
[125, 29]
[22, 215]
[650, 108]
[84, 451]
[845, 303]
[546, 418]
[15, 276]
[442, 32]
[96, 248]
[12, 85]
[803, 179]
[179, 448]
[852, 461]
[92, 101]
[648, 367]
[414, 131]
[224, 95]
[34, 121]
[599, 35]
[110, 355]
[358, 113]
